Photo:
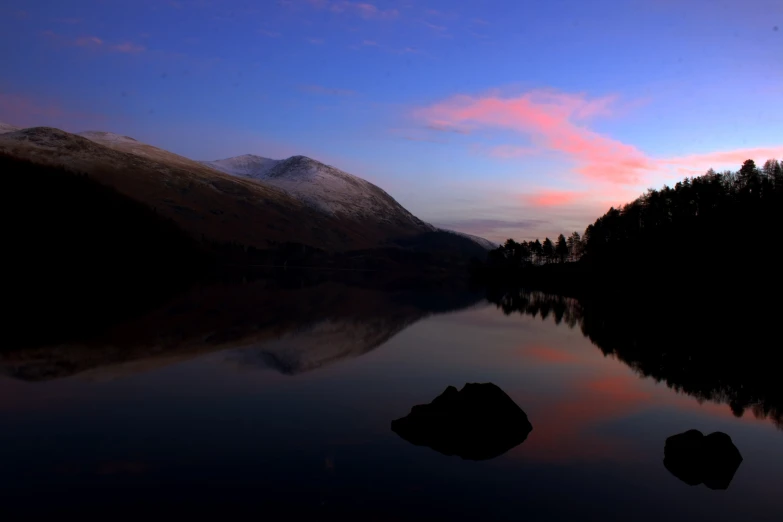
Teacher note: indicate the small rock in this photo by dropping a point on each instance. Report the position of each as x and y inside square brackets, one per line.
[696, 459]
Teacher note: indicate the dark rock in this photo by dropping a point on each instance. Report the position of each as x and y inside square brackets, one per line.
[478, 422]
[696, 459]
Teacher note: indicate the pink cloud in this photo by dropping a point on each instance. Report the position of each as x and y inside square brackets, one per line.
[129, 48]
[554, 121]
[26, 111]
[699, 163]
[21, 110]
[558, 122]
[553, 198]
[511, 151]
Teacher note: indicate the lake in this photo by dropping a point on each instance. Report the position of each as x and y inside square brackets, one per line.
[264, 403]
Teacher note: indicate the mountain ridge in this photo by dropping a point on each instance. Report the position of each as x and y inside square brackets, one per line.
[279, 172]
[343, 211]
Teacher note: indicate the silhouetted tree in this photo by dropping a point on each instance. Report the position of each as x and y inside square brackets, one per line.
[548, 249]
[538, 251]
[561, 249]
[574, 246]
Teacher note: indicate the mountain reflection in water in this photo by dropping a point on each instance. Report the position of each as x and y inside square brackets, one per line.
[259, 324]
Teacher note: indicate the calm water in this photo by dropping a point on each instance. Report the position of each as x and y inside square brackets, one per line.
[222, 404]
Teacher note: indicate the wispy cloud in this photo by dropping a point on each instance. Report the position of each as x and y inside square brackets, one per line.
[393, 50]
[22, 110]
[27, 111]
[552, 198]
[442, 126]
[511, 151]
[553, 121]
[315, 41]
[700, 162]
[419, 139]
[363, 9]
[440, 29]
[129, 48]
[320, 89]
[88, 41]
[493, 228]
[94, 42]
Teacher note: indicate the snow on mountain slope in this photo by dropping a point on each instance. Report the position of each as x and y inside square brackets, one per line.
[5, 127]
[248, 165]
[329, 191]
[485, 243]
[107, 137]
[323, 187]
[137, 148]
[204, 202]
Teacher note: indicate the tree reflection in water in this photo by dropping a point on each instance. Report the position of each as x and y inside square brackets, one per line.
[687, 343]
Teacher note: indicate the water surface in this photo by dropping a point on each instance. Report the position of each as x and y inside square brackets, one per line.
[281, 410]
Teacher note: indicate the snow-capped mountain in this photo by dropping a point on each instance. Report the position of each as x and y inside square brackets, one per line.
[322, 187]
[312, 203]
[4, 127]
[247, 165]
[325, 188]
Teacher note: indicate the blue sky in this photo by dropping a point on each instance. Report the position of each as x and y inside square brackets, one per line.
[501, 118]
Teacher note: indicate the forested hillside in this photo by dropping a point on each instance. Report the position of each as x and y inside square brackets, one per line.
[711, 226]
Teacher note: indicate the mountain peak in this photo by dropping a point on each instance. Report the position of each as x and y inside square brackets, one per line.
[106, 137]
[7, 127]
[322, 187]
[49, 137]
[246, 165]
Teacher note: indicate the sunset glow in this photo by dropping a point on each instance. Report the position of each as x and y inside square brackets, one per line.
[467, 114]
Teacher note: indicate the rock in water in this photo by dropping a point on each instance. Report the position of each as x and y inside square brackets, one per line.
[479, 422]
[696, 459]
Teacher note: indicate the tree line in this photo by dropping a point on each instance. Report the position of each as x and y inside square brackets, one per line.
[699, 218]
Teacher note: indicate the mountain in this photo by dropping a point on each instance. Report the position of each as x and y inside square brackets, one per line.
[322, 187]
[4, 127]
[485, 243]
[249, 209]
[206, 203]
[247, 165]
[326, 188]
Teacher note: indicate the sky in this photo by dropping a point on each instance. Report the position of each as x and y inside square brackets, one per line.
[499, 118]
